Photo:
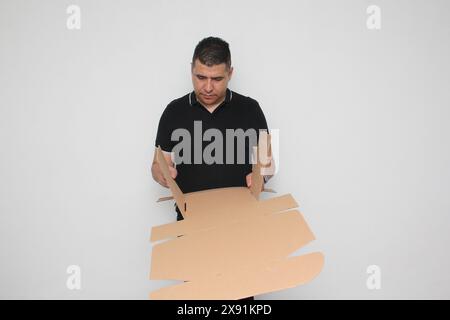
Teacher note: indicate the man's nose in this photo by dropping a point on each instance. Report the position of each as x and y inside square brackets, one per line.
[209, 87]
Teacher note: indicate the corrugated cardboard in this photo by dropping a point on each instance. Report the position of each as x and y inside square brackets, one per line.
[230, 244]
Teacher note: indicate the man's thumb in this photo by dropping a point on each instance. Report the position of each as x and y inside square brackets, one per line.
[173, 172]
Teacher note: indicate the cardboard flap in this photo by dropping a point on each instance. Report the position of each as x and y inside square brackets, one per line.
[169, 230]
[176, 192]
[231, 247]
[285, 273]
[261, 155]
[164, 199]
[237, 204]
[277, 204]
[257, 180]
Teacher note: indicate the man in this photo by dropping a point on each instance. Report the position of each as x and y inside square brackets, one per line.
[202, 114]
[210, 108]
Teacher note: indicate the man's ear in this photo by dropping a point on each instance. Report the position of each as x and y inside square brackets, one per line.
[230, 73]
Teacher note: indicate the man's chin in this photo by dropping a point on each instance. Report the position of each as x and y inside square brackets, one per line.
[209, 102]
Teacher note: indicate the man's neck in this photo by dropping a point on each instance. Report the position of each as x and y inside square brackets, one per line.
[213, 107]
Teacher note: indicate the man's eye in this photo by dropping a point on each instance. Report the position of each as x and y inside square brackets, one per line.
[201, 78]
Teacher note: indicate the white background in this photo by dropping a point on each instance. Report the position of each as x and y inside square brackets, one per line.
[364, 137]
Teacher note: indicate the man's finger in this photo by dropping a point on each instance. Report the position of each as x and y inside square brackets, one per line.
[163, 182]
[249, 180]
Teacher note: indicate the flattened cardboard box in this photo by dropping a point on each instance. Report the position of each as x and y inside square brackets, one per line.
[231, 245]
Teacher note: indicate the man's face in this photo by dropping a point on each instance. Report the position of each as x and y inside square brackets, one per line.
[210, 83]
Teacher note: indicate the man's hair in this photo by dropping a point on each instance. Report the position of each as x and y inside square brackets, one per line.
[212, 51]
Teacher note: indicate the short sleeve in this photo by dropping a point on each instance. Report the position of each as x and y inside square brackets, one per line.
[260, 122]
[163, 136]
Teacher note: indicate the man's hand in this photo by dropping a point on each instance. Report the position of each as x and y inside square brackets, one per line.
[158, 175]
[157, 172]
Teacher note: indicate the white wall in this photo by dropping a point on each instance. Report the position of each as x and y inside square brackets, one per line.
[363, 118]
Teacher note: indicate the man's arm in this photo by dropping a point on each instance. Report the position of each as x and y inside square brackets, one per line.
[163, 140]
[156, 170]
[267, 163]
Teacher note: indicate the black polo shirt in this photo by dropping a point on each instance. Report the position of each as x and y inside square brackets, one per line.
[235, 112]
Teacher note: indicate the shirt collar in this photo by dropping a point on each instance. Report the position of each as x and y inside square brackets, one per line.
[193, 99]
